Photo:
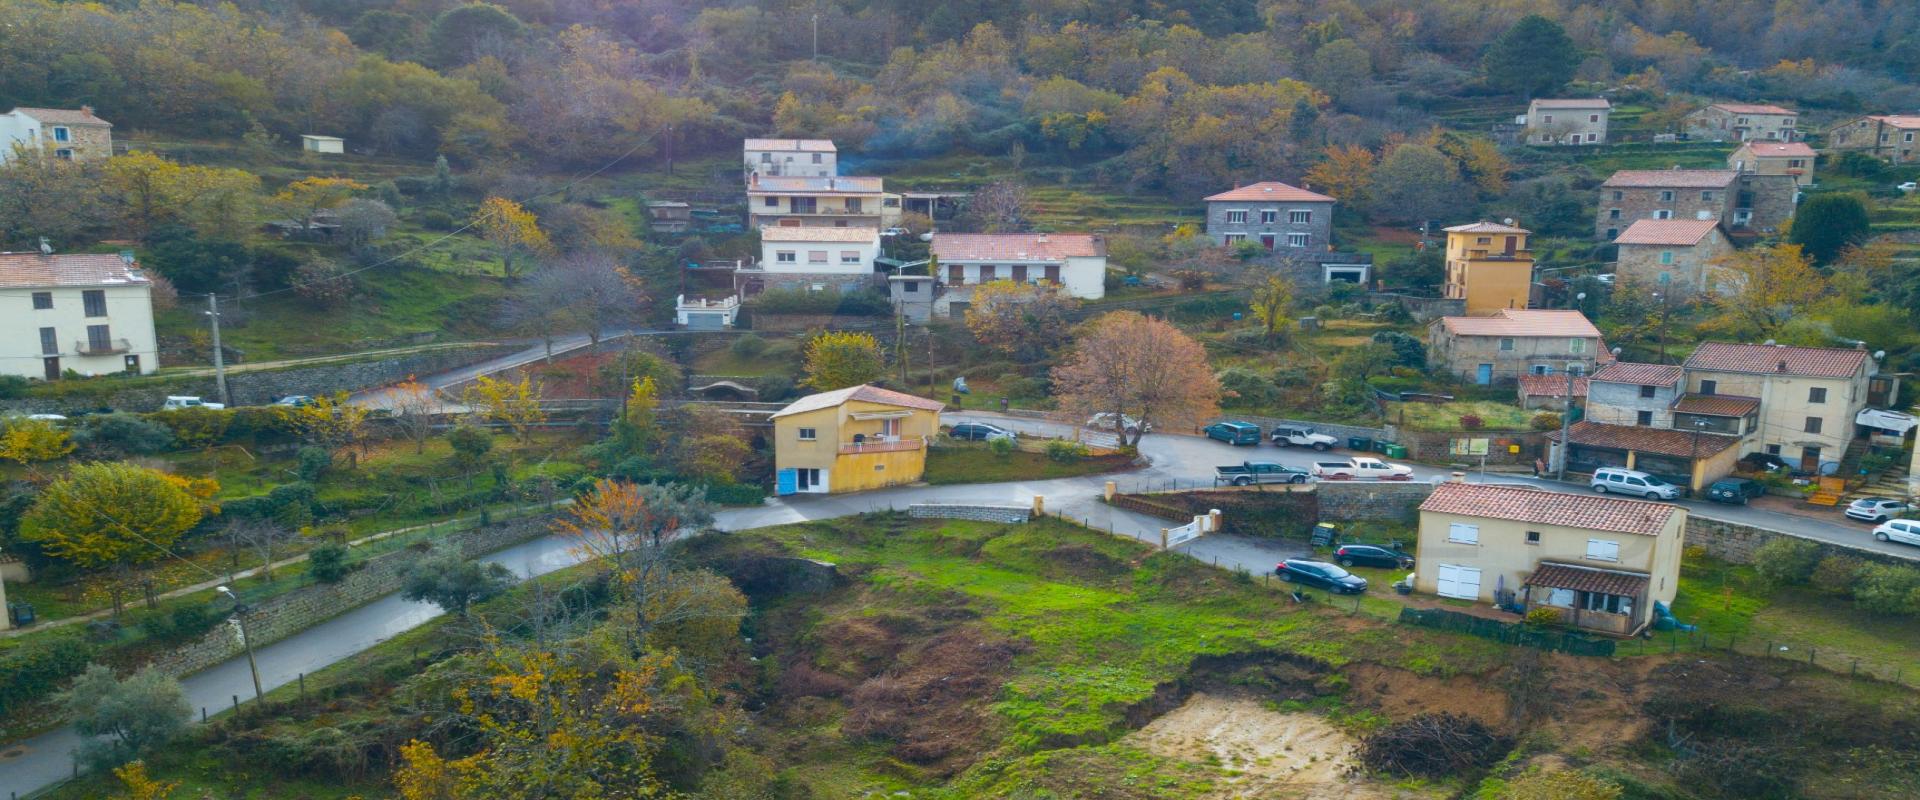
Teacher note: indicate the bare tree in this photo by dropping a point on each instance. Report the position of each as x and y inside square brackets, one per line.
[262, 537]
[540, 306]
[1124, 363]
[603, 293]
[413, 407]
[1000, 207]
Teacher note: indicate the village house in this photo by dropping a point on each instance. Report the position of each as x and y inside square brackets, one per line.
[1774, 158]
[1076, 262]
[1489, 267]
[829, 202]
[1513, 343]
[1691, 459]
[804, 158]
[1806, 399]
[1272, 213]
[1738, 201]
[1631, 393]
[812, 259]
[1639, 416]
[669, 216]
[1742, 122]
[1890, 137]
[1566, 121]
[325, 145]
[1671, 254]
[66, 134]
[91, 314]
[1551, 392]
[1602, 562]
[848, 440]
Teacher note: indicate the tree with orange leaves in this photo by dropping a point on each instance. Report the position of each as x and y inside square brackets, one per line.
[1125, 363]
[625, 525]
[511, 229]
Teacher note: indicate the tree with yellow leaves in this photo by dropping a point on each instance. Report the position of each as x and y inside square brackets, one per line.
[839, 359]
[1765, 288]
[625, 525]
[153, 191]
[30, 440]
[329, 421]
[511, 229]
[1343, 174]
[307, 197]
[1271, 301]
[115, 513]
[515, 404]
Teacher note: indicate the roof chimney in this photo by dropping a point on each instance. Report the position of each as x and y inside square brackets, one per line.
[45, 248]
[87, 110]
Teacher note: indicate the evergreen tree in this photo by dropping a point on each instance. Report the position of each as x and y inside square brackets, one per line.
[1827, 224]
[1533, 57]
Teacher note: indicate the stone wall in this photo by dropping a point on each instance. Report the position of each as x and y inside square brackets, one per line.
[1736, 543]
[1436, 447]
[1343, 501]
[976, 512]
[287, 614]
[1285, 512]
[1423, 309]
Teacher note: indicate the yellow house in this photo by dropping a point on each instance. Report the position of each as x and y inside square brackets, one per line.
[1489, 266]
[1602, 562]
[852, 439]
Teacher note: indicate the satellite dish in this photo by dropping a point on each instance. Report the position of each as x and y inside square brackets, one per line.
[1507, 221]
[1879, 354]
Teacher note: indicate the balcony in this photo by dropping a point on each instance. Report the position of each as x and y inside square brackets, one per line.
[108, 347]
[1499, 255]
[883, 444]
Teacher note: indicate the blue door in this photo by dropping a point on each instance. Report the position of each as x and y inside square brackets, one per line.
[786, 482]
[1484, 375]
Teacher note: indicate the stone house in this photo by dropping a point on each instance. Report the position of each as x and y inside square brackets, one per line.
[1890, 137]
[1566, 121]
[1774, 158]
[1671, 254]
[1739, 201]
[1630, 393]
[1689, 458]
[1742, 122]
[1512, 343]
[85, 312]
[1278, 216]
[1806, 398]
[1551, 392]
[1602, 562]
[806, 158]
[67, 134]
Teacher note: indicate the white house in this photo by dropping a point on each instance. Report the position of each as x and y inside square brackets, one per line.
[1551, 121]
[314, 143]
[806, 158]
[812, 258]
[69, 134]
[1075, 261]
[90, 313]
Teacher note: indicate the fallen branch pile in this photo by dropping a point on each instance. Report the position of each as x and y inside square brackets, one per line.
[1432, 746]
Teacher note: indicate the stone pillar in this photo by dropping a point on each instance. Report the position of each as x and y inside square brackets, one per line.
[1213, 520]
[1163, 538]
[1111, 489]
[1039, 505]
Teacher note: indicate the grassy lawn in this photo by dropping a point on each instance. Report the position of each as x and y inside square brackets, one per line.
[1495, 416]
[974, 463]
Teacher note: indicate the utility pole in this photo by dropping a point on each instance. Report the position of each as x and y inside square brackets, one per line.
[219, 357]
[1566, 422]
[816, 31]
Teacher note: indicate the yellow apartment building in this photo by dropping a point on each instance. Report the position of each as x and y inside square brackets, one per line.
[1489, 266]
[853, 439]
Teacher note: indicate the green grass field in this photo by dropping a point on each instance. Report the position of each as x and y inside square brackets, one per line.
[956, 462]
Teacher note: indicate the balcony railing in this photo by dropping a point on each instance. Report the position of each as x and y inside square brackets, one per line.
[109, 347]
[1489, 255]
[890, 444]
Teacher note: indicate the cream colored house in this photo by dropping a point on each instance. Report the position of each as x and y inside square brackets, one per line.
[1892, 137]
[828, 202]
[85, 312]
[1580, 121]
[1743, 122]
[315, 143]
[1513, 343]
[814, 259]
[848, 440]
[1489, 266]
[1601, 561]
[1775, 158]
[62, 133]
[806, 158]
[1806, 397]
[1076, 262]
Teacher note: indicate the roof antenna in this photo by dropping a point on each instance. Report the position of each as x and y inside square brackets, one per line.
[45, 248]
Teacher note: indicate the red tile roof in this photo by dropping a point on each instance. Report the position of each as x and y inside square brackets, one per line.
[1016, 247]
[1271, 190]
[1752, 108]
[1588, 579]
[1672, 232]
[1718, 405]
[1486, 227]
[1659, 441]
[1551, 386]
[1817, 362]
[1902, 121]
[800, 145]
[1539, 506]
[1523, 322]
[64, 116]
[1780, 149]
[33, 270]
[1671, 179]
[1639, 374]
[1591, 102]
[864, 392]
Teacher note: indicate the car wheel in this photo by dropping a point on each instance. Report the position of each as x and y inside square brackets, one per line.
[1282, 443]
[1653, 495]
[1286, 577]
[1599, 488]
[1322, 447]
[1242, 481]
[1881, 537]
[1297, 479]
[1346, 562]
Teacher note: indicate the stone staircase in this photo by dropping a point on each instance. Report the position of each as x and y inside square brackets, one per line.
[1891, 483]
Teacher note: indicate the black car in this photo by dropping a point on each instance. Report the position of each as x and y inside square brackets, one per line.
[980, 432]
[1368, 555]
[1736, 491]
[1765, 462]
[1321, 574]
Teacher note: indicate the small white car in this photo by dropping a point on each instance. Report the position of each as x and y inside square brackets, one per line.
[1104, 421]
[176, 402]
[1904, 531]
[1630, 481]
[1909, 187]
[1875, 509]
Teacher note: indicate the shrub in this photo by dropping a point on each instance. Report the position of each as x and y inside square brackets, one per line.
[1248, 388]
[1543, 616]
[127, 434]
[470, 444]
[1066, 452]
[1838, 574]
[313, 462]
[328, 563]
[1000, 447]
[434, 219]
[12, 386]
[34, 670]
[1471, 422]
[1786, 562]
[736, 494]
[1408, 351]
[748, 346]
[196, 427]
[1888, 589]
[1546, 421]
[184, 624]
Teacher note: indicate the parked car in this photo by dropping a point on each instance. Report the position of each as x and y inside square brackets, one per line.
[1233, 433]
[1632, 481]
[1764, 462]
[295, 401]
[1736, 491]
[1248, 473]
[1909, 187]
[176, 402]
[1904, 531]
[1289, 435]
[1361, 468]
[1371, 555]
[894, 231]
[1105, 421]
[1321, 574]
[980, 432]
[1876, 509]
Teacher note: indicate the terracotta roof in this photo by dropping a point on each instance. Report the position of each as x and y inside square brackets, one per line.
[1523, 322]
[1271, 190]
[1752, 108]
[1588, 102]
[1016, 246]
[798, 145]
[63, 116]
[1818, 362]
[1639, 374]
[864, 392]
[1780, 149]
[1551, 386]
[1674, 232]
[24, 270]
[1588, 579]
[1901, 121]
[1486, 227]
[796, 183]
[1671, 178]
[1718, 405]
[1539, 506]
[1659, 441]
[809, 233]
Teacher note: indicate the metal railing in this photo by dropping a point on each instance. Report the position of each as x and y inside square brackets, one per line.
[896, 445]
[104, 348]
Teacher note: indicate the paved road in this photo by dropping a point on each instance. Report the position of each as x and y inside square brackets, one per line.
[384, 397]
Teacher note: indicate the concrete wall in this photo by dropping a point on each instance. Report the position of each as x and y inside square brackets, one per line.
[1621, 404]
[977, 512]
[1436, 447]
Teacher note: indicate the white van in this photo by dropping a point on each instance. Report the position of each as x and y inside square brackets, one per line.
[1629, 481]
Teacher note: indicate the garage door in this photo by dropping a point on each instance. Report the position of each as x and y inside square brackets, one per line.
[1460, 582]
[706, 322]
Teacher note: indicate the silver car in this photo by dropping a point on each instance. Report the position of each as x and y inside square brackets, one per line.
[1876, 509]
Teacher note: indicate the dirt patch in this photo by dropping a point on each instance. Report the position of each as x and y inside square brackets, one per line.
[1400, 694]
[1268, 754]
[932, 706]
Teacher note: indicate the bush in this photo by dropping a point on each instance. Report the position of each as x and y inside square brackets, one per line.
[1544, 616]
[1888, 589]
[1471, 422]
[1838, 574]
[736, 494]
[470, 444]
[748, 346]
[1786, 561]
[434, 219]
[12, 386]
[1247, 388]
[1546, 421]
[1407, 350]
[1000, 447]
[34, 670]
[313, 462]
[126, 434]
[184, 624]
[1207, 309]
[328, 563]
[197, 427]
[1066, 452]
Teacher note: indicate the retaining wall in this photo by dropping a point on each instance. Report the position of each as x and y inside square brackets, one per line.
[1348, 501]
[979, 513]
[1736, 543]
[1436, 447]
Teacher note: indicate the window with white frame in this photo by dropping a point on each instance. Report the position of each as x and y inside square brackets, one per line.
[1298, 239]
[1300, 216]
[1603, 550]
[1576, 345]
[1463, 533]
[1235, 238]
[816, 256]
[784, 256]
[1269, 216]
[61, 134]
[809, 434]
[1663, 213]
[1237, 217]
[849, 256]
[1666, 195]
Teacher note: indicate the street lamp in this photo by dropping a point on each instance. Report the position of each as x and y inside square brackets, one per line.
[1693, 464]
[240, 616]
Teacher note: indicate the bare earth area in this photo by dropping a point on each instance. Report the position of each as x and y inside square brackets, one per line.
[1265, 753]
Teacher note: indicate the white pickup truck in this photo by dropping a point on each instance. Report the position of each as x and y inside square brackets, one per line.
[1361, 469]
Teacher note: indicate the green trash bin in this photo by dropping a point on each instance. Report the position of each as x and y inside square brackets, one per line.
[1395, 450]
[1359, 443]
[1380, 446]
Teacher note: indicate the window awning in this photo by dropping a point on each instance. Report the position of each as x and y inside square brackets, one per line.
[1588, 579]
[1886, 420]
[880, 414]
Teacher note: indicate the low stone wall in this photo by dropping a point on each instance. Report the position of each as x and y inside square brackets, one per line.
[978, 513]
[1423, 309]
[1285, 512]
[1736, 543]
[1348, 501]
[1341, 432]
[1436, 447]
[287, 614]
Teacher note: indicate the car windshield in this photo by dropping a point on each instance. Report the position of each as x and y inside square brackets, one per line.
[1334, 572]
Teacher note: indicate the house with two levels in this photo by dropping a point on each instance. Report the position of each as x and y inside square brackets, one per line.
[1889, 137]
[62, 133]
[1562, 121]
[848, 440]
[83, 312]
[814, 259]
[1742, 122]
[827, 202]
[1774, 158]
[1738, 201]
[1272, 213]
[1805, 401]
[1674, 255]
[805, 158]
[1512, 343]
[1489, 267]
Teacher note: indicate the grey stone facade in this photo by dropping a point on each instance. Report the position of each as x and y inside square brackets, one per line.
[979, 513]
[1745, 202]
[1272, 223]
[749, 282]
[1684, 265]
[1624, 403]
